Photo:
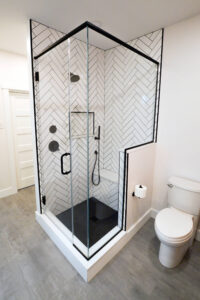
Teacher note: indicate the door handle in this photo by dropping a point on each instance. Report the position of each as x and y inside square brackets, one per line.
[61, 161]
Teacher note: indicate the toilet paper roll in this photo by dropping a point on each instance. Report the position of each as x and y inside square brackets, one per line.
[140, 191]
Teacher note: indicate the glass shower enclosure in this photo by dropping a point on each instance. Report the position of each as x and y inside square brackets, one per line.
[95, 98]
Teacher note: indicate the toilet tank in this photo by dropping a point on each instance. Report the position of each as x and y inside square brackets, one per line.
[184, 194]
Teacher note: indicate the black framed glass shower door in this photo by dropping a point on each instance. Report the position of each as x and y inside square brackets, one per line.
[96, 97]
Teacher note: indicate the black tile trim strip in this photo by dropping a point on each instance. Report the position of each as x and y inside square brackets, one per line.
[159, 89]
[35, 121]
[155, 104]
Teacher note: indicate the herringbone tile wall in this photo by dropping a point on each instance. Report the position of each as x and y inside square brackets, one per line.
[122, 97]
[130, 89]
[52, 108]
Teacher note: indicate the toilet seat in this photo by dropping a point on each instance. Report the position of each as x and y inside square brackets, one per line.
[174, 226]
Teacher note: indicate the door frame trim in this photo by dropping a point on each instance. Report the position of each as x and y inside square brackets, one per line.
[12, 93]
[6, 100]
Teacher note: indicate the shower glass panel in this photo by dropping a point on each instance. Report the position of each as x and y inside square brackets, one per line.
[122, 93]
[81, 127]
[52, 109]
[105, 205]
[96, 98]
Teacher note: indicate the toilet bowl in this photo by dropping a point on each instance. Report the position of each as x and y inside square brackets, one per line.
[176, 225]
[175, 231]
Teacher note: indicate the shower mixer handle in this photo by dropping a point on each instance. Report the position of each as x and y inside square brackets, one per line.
[61, 161]
[98, 137]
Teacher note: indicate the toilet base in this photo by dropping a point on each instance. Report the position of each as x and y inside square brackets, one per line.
[171, 256]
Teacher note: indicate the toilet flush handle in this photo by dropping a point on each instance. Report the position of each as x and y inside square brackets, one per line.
[170, 185]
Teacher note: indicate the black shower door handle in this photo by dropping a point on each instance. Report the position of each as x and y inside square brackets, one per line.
[61, 160]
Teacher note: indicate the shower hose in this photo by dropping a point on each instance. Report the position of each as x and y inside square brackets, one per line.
[98, 166]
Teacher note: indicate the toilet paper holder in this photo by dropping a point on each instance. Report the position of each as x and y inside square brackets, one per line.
[140, 186]
[133, 194]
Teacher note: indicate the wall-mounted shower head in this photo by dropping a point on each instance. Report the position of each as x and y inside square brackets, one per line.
[74, 78]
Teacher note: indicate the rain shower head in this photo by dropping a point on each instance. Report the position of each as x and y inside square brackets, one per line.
[74, 78]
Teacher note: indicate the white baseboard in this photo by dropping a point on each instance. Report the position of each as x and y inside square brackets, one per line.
[7, 192]
[138, 225]
[154, 213]
[89, 268]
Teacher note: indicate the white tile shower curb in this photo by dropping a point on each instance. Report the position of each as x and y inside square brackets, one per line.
[88, 269]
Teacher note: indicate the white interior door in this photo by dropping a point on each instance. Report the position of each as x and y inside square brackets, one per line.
[21, 113]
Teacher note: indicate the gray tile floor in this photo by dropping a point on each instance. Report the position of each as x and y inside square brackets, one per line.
[31, 267]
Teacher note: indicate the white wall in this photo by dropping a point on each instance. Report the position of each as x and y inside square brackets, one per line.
[13, 76]
[178, 147]
[13, 71]
[141, 168]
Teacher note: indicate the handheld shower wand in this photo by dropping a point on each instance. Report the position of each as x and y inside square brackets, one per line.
[97, 156]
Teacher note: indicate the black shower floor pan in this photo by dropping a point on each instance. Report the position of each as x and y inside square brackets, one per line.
[102, 219]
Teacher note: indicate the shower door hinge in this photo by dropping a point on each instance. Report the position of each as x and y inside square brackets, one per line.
[37, 77]
[44, 200]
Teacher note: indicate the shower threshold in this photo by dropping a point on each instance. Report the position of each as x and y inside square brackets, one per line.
[102, 219]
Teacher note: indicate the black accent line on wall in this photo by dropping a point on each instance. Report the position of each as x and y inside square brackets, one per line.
[140, 145]
[159, 89]
[123, 198]
[62, 39]
[124, 180]
[99, 30]
[115, 39]
[34, 105]
[155, 104]
[127, 166]
[126, 172]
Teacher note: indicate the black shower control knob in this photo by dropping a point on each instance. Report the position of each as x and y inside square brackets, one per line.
[53, 146]
[52, 129]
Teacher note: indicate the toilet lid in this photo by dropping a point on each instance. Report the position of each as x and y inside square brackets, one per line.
[173, 223]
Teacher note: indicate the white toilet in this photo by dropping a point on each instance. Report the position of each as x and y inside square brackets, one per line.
[176, 225]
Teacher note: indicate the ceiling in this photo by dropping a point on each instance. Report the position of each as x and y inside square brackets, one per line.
[127, 19]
